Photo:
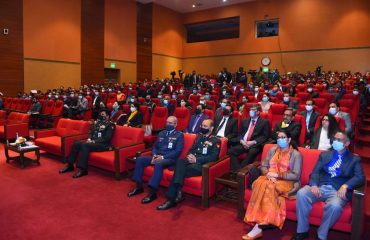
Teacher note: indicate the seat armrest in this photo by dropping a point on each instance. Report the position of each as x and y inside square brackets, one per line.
[126, 146]
[67, 142]
[45, 133]
[156, 131]
[358, 212]
[145, 152]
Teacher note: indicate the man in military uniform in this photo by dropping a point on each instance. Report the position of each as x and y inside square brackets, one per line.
[165, 152]
[205, 149]
[101, 134]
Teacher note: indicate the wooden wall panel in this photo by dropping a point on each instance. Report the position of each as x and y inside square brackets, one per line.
[144, 41]
[11, 47]
[92, 41]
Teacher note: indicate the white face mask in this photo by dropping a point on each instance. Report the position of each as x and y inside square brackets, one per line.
[165, 101]
[333, 110]
[256, 89]
[132, 109]
[201, 102]
[309, 107]
[309, 89]
[355, 92]
[286, 99]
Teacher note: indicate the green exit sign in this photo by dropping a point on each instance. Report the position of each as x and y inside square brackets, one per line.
[112, 65]
[265, 69]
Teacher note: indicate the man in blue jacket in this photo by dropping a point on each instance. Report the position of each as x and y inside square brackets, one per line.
[332, 181]
[166, 150]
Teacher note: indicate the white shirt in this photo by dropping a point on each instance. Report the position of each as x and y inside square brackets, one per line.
[221, 132]
[324, 143]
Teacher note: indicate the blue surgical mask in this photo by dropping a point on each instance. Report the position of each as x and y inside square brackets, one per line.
[223, 105]
[265, 99]
[338, 146]
[286, 99]
[333, 110]
[165, 102]
[252, 113]
[169, 127]
[282, 142]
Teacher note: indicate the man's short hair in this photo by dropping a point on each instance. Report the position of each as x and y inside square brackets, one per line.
[335, 102]
[344, 133]
[106, 110]
[203, 106]
[257, 106]
[313, 101]
[290, 109]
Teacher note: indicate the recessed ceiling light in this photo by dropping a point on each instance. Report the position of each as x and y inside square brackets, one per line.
[194, 6]
[224, 0]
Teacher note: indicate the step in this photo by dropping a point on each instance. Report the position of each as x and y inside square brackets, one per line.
[363, 152]
[363, 139]
[365, 129]
[367, 204]
[366, 121]
[366, 167]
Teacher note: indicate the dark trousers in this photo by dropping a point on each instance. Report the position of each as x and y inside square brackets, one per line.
[236, 151]
[154, 181]
[84, 148]
[183, 170]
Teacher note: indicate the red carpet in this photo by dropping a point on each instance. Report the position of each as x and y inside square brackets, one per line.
[38, 203]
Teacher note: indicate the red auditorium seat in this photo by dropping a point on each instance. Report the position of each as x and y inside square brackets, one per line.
[158, 122]
[204, 185]
[211, 104]
[276, 113]
[58, 141]
[352, 216]
[301, 120]
[340, 122]
[56, 114]
[183, 118]
[303, 97]
[353, 109]
[112, 97]
[210, 113]
[322, 105]
[126, 142]
[15, 123]
[146, 113]
[327, 96]
[238, 117]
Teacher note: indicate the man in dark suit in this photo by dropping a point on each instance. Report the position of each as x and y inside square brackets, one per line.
[96, 104]
[334, 110]
[218, 112]
[194, 79]
[196, 119]
[311, 116]
[336, 174]
[287, 124]
[254, 133]
[227, 127]
[311, 91]
[204, 150]
[165, 152]
[290, 103]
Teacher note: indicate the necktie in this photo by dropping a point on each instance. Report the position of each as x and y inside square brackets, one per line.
[334, 169]
[195, 122]
[221, 125]
[250, 132]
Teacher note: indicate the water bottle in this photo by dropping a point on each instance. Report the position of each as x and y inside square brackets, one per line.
[16, 136]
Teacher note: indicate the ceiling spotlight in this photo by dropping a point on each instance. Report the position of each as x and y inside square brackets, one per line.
[194, 6]
[224, 0]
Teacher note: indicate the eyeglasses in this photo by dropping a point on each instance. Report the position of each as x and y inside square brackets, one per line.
[325, 119]
[287, 115]
[281, 137]
[339, 139]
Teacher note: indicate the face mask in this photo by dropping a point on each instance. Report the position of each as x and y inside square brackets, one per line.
[242, 90]
[80, 97]
[132, 100]
[201, 102]
[309, 89]
[265, 99]
[324, 85]
[198, 111]
[256, 89]
[183, 104]
[49, 96]
[65, 97]
[333, 110]
[207, 97]
[244, 100]
[165, 101]
[309, 108]
[72, 95]
[286, 99]
[212, 85]
[226, 112]
[337, 146]
[223, 105]
[159, 96]
[103, 90]
[181, 91]
[115, 106]
[130, 89]
[204, 130]
[132, 109]
[223, 92]
[169, 127]
[97, 94]
[252, 113]
[194, 91]
[56, 97]
[355, 92]
[174, 96]
[282, 142]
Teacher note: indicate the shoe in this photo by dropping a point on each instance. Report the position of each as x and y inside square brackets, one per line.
[246, 237]
[135, 191]
[67, 168]
[81, 173]
[300, 236]
[166, 205]
[149, 198]
[180, 197]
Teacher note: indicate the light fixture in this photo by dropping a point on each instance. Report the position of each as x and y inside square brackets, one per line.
[224, 0]
[194, 6]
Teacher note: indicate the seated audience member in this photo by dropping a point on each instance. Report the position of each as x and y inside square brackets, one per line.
[148, 102]
[332, 181]
[274, 91]
[218, 112]
[290, 103]
[288, 124]
[265, 103]
[227, 127]
[313, 93]
[96, 104]
[165, 152]
[311, 116]
[134, 119]
[166, 103]
[204, 150]
[35, 111]
[101, 134]
[120, 97]
[73, 105]
[280, 179]
[334, 110]
[131, 99]
[196, 119]
[82, 105]
[116, 112]
[323, 137]
[241, 104]
[185, 104]
[254, 133]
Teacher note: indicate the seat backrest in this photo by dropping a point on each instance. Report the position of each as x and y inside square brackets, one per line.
[322, 105]
[58, 108]
[276, 113]
[146, 113]
[14, 103]
[266, 149]
[2, 115]
[223, 149]
[70, 127]
[183, 118]
[302, 121]
[127, 135]
[329, 97]
[19, 105]
[303, 96]
[15, 118]
[238, 117]
[210, 114]
[352, 107]
[340, 122]
[195, 98]
[112, 97]
[159, 117]
[310, 157]
[211, 104]
[189, 139]
[49, 105]
[26, 105]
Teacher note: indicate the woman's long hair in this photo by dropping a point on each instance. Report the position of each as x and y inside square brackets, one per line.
[333, 125]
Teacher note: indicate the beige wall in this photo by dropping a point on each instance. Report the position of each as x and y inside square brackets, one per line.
[127, 69]
[163, 65]
[43, 75]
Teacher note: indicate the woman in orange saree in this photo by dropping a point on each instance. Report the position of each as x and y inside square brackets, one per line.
[281, 171]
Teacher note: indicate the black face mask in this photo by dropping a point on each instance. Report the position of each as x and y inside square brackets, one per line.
[226, 112]
[102, 118]
[204, 130]
[198, 111]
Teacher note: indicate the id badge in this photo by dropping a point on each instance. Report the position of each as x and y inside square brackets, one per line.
[99, 134]
[204, 150]
[170, 145]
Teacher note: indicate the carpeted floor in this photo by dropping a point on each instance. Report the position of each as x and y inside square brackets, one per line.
[38, 203]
